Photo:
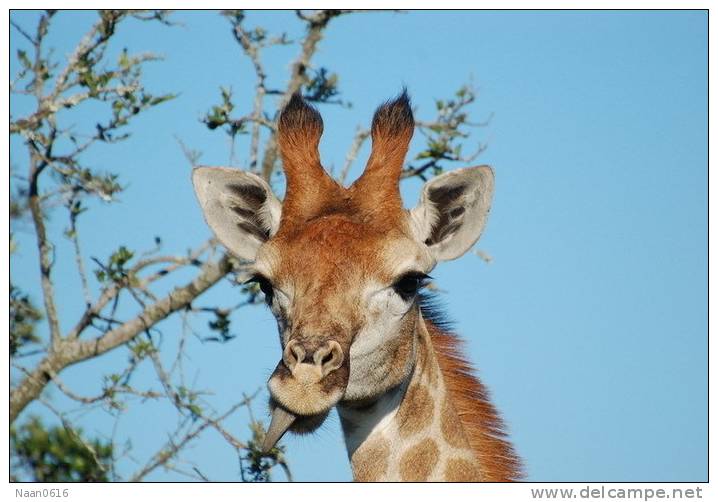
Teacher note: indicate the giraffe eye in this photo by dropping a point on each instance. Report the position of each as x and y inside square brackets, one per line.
[264, 285]
[408, 285]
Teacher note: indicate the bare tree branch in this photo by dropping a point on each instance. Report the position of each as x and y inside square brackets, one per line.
[252, 51]
[359, 138]
[171, 448]
[74, 208]
[70, 352]
[24, 33]
[316, 23]
[45, 250]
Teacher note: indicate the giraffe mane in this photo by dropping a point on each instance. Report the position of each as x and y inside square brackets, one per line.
[484, 428]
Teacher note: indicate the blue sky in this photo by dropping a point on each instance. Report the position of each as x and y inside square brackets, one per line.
[590, 324]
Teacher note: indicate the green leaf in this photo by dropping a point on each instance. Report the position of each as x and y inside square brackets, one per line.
[124, 61]
[24, 60]
[23, 318]
[195, 410]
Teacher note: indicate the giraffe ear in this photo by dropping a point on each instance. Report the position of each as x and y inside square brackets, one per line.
[239, 207]
[452, 211]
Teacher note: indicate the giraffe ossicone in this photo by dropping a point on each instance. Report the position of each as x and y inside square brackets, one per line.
[342, 269]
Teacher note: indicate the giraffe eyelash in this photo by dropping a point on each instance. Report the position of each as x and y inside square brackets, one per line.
[265, 285]
[408, 285]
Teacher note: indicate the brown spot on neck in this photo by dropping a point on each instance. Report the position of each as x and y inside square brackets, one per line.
[416, 410]
[460, 469]
[451, 428]
[371, 460]
[419, 461]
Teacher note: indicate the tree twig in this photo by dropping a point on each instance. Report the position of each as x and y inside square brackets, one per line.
[75, 238]
[171, 448]
[73, 433]
[360, 137]
[252, 51]
[73, 351]
[316, 23]
[45, 250]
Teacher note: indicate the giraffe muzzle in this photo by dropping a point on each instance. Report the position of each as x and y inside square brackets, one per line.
[305, 385]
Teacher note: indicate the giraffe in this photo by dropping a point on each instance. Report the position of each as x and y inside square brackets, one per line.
[342, 269]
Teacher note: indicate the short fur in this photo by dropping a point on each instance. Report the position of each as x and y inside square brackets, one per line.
[300, 126]
[393, 119]
[391, 132]
[309, 187]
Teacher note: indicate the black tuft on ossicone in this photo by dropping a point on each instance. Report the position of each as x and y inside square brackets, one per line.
[393, 117]
[300, 116]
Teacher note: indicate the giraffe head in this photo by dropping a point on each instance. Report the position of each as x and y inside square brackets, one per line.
[340, 268]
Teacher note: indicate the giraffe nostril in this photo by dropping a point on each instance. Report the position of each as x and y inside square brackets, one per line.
[329, 357]
[298, 352]
[293, 354]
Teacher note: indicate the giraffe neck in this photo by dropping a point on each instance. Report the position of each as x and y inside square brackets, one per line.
[412, 432]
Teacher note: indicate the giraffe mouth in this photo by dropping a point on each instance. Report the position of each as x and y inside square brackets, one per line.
[302, 399]
[284, 420]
